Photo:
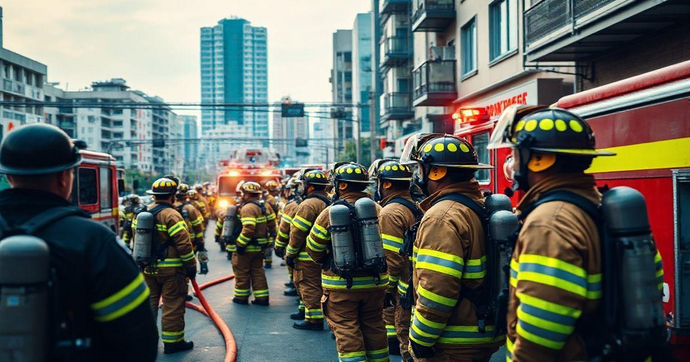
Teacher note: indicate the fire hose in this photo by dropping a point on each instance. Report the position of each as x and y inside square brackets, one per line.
[230, 345]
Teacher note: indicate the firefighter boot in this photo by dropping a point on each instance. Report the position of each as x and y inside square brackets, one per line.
[292, 292]
[268, 265]
[240, 301]
[290, 284]
[304, 325]
[262, 301]
[297, 316]
[171, 348]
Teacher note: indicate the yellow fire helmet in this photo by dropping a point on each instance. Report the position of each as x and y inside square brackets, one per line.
[251, 187]
[163, 186]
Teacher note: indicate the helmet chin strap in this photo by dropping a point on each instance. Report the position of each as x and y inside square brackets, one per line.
[378, 195]
[423, 181]
[520, 180]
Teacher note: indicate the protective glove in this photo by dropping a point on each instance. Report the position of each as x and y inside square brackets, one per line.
[420, 351]
[191, 272]
[389, 300]
[290, 261]
[280, 252]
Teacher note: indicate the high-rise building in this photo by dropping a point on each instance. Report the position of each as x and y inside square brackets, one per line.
[234, 69]
[22, 81]
[287, 130]
[362, 67]
[190, 126]
[341, 89]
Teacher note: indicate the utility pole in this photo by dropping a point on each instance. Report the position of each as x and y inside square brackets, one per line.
[357, 121]
[372, 126]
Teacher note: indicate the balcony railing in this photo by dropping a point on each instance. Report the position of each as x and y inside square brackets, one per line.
[395, 50]
[432, 15]
[396, 106]
[553, 28]
[386, 7]
[434, 83]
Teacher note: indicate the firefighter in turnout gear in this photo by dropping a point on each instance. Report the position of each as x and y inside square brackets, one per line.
[555, 305]
[449, 254]
[195, 224]
[132, 205]
[353, 307]
[99, 312]
[200, 203]
[258, 225]
[273, 199]
[307, 273]
[398, 215]
[283, 238]
[167, 278]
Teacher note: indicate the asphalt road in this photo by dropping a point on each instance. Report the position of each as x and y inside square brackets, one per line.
[261, 333]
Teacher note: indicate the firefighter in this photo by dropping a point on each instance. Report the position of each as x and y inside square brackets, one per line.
[201, 199]
[449, 270]
[307, 273]
[272, 198]
[167, 279]
[194, 219]
[354, 314]
[398, 215]
[556, 269]
[102, 295]
[283, 237]
[199, 204]
[258, 224]
[132, 205]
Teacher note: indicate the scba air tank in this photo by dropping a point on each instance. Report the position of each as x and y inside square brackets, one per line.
[341, 237]
[229, 221]
[372, 245]
[143, 241]
[24, 277]
[627, 224]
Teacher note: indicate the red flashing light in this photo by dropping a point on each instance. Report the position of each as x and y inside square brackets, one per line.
[471, 115]
[384, 143]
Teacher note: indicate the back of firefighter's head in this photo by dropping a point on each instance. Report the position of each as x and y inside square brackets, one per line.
[182, 192]
[251, 191]
[444, 161]
[390, 177]
[133, 199]
[350, 177]
[273, 187]
[312, 181]
[547, 142]
[163, 189]
[40, 157]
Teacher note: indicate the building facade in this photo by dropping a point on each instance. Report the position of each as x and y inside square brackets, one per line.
[286, 130]
[341, 90]
[234, 69]
[22, 81]
[190, 127]
[361, 71]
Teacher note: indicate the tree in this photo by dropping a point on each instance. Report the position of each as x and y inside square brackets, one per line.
[350, 152]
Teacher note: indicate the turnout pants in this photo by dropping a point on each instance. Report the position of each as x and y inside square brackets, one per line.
[171, 290]
[397, 322]
[460, 354]
[268, 254]
[355, 317]
[307, 279]
[249, 275]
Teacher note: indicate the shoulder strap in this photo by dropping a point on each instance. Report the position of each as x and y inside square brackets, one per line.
[41, 220]
[465, 200]
[580, 201]
[158, 208]
[408, 204]
[260, 205]
[322, 198]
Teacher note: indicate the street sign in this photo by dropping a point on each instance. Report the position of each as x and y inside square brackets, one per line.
[301, 142]
[292, 110]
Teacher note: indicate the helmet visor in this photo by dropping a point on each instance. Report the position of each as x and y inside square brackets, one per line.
[503, 132]
[411, 150]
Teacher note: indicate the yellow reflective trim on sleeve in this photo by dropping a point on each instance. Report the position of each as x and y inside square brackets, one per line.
[321, 232]
[187, 257]
[440, 262]
[554, 263]
[450, 302]
[179, 226]
[271, 217]
[427, 322]
[314, 245]
[122, 302]
[283, 235]
[549, 306]
[539, 340]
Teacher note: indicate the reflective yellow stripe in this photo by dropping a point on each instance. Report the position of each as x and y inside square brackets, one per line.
[315, 246]
[199, 220]
[271, 217]
[449, 302]
[509, 350]
[549, 306]
[440, 262]
[336, 282]
[179, 226]
[170, 263]
[321, 232]
[187, 257]
[121, 302]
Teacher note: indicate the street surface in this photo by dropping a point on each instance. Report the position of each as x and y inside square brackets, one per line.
[261, 333]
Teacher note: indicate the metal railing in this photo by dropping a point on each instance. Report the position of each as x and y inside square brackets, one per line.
[395, 47]
[419, 7]
[434, 76]
[396, 103]
[548, 16]
[388, 5]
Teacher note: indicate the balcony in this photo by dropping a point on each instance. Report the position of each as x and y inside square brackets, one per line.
[575, 30]
[388, 7]
[434, 83]
[395, 50]
[432, 15]
[396, 106]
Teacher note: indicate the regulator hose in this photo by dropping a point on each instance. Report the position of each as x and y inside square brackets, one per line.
[230, 345]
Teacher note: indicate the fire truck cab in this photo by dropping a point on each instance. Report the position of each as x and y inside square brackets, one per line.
[246, 164]
[645, 120]
[96, 188]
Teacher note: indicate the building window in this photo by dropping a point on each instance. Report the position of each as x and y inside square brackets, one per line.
[469, 47]
[503, 19]
[480, 142]
[88, 186]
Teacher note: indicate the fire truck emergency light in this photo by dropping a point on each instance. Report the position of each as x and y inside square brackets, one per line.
[471, 115]
[233, 173]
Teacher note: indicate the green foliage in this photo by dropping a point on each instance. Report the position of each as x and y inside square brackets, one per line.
[350, 152]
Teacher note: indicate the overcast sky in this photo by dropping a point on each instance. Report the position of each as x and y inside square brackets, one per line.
[154, 44]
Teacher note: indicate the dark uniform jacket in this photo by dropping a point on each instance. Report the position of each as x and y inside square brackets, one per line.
[99, 283]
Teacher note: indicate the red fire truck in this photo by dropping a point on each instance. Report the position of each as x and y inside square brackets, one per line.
[246, 164]
[646, 121]
[96, 188]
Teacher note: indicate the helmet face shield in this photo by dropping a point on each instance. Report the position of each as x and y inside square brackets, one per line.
[502, 136]
[410, 153]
